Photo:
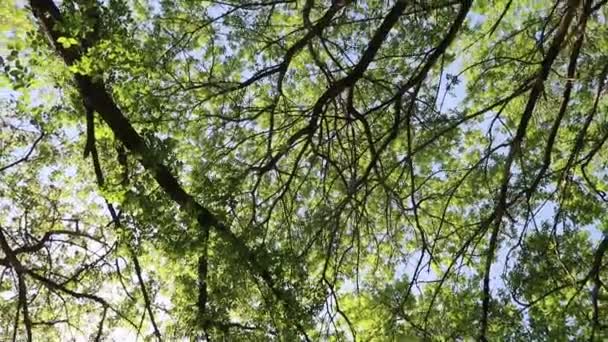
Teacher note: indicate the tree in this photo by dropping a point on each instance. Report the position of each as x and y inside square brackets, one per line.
[303, 170]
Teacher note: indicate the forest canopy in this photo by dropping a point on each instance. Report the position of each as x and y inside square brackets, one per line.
[303, 170]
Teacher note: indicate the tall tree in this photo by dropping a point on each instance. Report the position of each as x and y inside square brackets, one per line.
[303, 170]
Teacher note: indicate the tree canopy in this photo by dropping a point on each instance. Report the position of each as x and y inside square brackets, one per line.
[303, 170]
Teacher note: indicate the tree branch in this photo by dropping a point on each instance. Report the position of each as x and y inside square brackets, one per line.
[501, 203]
[100, 99]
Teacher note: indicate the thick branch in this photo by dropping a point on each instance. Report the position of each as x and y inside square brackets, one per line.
[100, 99]
[501, 203]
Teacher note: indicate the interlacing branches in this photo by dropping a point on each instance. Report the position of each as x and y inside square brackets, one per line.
[323, 170]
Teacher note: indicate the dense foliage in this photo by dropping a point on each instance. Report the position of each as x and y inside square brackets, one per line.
[336, 170]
